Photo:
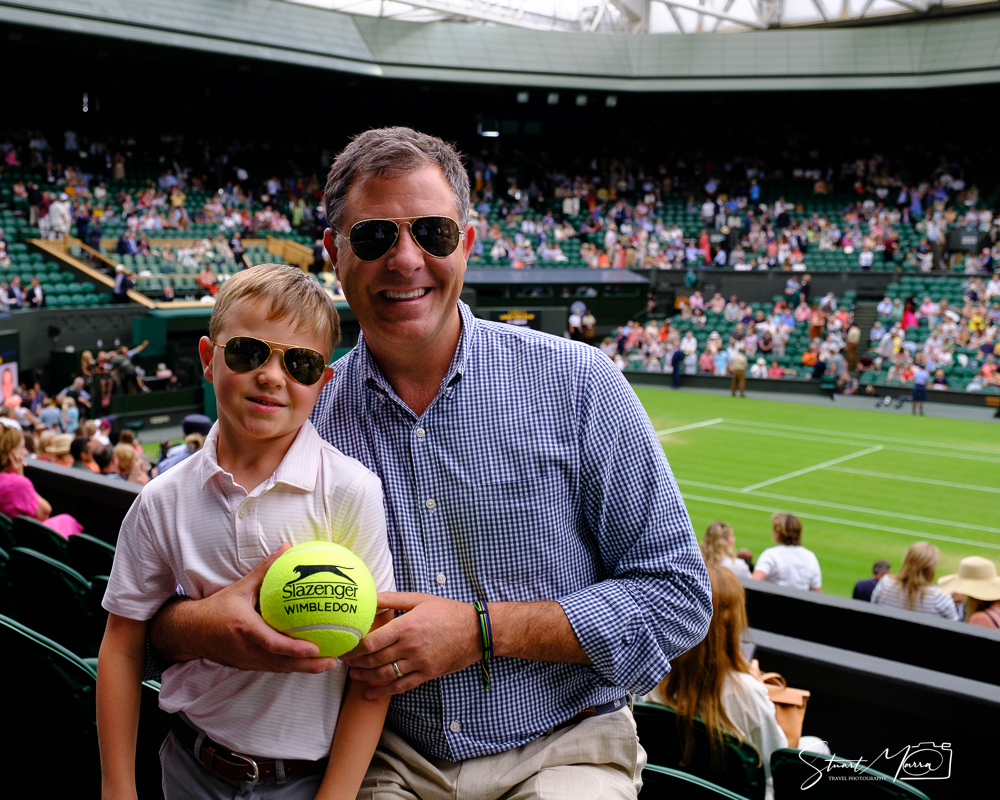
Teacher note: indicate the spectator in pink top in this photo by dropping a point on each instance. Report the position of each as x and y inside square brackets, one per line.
[909, 317]
[18, 497]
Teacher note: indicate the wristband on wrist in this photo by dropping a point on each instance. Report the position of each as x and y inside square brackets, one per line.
[487, 633]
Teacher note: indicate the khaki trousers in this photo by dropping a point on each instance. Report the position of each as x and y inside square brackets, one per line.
[598, 758]
[739, 382]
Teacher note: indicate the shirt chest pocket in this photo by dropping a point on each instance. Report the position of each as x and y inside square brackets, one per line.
[522, 534]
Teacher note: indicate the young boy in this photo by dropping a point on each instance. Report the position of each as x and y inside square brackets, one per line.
[263, 478]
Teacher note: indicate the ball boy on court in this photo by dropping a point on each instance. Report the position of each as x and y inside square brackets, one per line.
[263, 478]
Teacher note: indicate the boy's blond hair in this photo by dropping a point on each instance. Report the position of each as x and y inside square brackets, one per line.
[288, 293]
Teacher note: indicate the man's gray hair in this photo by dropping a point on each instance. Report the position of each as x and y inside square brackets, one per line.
[392, 153]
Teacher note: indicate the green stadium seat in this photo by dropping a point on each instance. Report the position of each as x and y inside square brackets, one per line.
[60, 610]
[90, 556]
[669, 783]
[790, 772]
[28, 532]
[743, 772]
[44, 682]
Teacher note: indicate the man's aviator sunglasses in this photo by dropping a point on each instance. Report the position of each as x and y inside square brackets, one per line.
[372, 238]
[245, 354]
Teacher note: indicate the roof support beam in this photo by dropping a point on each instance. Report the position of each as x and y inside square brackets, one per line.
[708, 11]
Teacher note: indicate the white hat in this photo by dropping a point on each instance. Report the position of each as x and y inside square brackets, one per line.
[64, 196]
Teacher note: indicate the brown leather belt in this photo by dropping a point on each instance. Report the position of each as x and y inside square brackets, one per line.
[595, 711]
[236, 766]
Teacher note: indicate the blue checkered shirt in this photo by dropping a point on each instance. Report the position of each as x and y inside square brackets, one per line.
[533, 475]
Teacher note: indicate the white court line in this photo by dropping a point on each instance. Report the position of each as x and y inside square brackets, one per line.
[860, 509]
[849, 523]
[873, 437]
[692, 426]
[859, 440]
[813, 468]
[889, 476]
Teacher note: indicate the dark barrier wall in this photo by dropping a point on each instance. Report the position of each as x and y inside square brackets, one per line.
[921, 640]
[98, 503]
[863, 706]
[78, 327]
[760, 287]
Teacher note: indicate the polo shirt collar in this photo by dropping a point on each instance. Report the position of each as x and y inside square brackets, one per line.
[299, 468]
[369, 374]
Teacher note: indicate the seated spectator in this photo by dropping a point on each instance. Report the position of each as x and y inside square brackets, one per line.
[131, 466]
[18, 497]
[715, 682]
[81, 451]
[58, 451]
[759, 369]
[717, 549]
[193, 442]
[913, 588]
[940, 380]
[70, 415]
[106, 461]
[789, 564]
[863, 589]
[977, 580]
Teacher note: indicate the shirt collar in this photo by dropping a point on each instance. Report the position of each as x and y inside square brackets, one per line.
[299, 468]
[369, 374]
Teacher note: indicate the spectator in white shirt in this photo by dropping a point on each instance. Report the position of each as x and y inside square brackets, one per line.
[913, 589]
[717, 549]
[789, 564]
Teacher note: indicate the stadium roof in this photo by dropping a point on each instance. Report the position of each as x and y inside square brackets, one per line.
[917, 51]
[640, 16]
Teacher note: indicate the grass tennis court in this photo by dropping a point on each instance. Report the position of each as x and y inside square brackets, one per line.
[865, 484]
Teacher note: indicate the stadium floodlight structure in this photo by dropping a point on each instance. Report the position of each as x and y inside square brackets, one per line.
[640, 16]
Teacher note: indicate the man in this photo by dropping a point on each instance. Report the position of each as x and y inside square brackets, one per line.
[15, 293]
[80, 396]
[123, 282]
[36, 295]
[853, 340]
[81, 450]
[561, 517]
[60, 217]
[34, 201]
[126, 244]
[738, 368]
[863, 589]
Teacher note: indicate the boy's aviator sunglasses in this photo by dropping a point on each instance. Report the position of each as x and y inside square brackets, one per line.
[245, 354]
[372, 238]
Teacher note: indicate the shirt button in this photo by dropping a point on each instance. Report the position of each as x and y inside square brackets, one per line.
[441, 579]
[455, 727]
[243, 513]
[430, 504]
[420, 432]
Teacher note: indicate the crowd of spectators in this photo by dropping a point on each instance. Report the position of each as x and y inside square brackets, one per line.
[70, 191]
[760, 336]
[619, 217]
[972, 594]
[965, 335]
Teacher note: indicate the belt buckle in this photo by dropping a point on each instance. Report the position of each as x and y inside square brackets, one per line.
[253, 764]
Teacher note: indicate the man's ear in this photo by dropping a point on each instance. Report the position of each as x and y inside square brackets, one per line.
[330, 243]
[206, 352]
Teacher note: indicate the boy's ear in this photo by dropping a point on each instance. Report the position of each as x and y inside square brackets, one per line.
[327, 374]
[206, 350]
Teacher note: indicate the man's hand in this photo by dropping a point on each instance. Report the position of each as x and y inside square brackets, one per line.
[435, 637]
[226, 628]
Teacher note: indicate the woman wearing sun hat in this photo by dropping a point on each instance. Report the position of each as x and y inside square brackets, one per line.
[977, 580]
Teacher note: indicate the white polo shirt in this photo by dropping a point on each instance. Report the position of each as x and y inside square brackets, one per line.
[194, 526]
[790, 565]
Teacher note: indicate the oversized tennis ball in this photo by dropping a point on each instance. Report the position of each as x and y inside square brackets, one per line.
[320, 592]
